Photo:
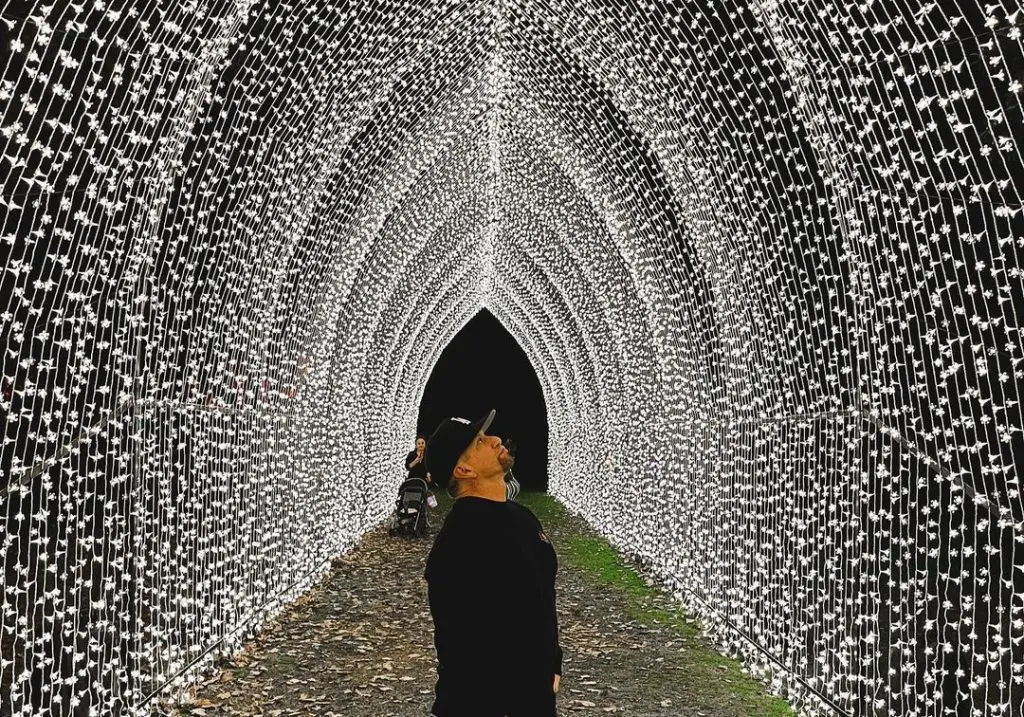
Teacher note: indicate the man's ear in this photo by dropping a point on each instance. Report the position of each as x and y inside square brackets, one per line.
[463, 471]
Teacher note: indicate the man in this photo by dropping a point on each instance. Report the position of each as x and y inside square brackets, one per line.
[491, 586]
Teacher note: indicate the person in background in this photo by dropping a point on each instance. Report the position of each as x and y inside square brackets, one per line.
[490, 585]
[414, 462]
[512, 486]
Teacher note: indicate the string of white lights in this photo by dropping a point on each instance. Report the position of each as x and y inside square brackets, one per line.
[765, 258]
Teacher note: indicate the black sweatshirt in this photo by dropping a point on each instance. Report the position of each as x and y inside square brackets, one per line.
[491, 585]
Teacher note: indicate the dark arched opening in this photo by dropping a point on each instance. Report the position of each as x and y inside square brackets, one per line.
[483, 367]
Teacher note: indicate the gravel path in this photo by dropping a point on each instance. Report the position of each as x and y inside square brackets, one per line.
[359, 644]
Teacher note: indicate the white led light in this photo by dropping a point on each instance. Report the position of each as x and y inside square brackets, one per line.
[765, 258]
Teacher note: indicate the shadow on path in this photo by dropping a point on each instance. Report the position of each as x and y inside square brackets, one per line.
[360, 644]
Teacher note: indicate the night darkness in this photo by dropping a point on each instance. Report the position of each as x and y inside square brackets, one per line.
[483, 368]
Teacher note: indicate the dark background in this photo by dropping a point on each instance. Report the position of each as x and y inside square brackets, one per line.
[483, 368]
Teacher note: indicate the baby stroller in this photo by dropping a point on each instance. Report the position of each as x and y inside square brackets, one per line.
[410, 519]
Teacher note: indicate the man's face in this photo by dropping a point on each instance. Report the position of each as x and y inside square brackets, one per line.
[485, 455]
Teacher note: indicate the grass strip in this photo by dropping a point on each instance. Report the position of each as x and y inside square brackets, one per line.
[715, 672]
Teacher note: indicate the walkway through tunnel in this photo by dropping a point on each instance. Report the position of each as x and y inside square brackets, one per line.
[765, 258]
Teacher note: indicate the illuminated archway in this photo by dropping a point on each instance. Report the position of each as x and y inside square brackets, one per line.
[767, 256]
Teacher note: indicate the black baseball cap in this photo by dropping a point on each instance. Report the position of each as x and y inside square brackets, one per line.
[448, 441]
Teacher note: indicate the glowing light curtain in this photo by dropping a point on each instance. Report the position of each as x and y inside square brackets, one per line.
[764, 256]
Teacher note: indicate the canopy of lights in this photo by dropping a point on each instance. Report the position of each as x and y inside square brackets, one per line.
[765, 257]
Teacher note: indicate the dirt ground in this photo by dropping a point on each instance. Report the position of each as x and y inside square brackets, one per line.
[360, 645]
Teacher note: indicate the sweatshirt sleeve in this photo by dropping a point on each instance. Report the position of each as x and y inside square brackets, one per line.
[552, 617]
[554, 629]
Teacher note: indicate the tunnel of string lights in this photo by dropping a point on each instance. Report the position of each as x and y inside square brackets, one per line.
[765, 255]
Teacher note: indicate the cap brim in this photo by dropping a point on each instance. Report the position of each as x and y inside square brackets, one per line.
[484, 423]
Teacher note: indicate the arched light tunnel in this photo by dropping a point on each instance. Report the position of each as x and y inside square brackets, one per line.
[766, 255]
